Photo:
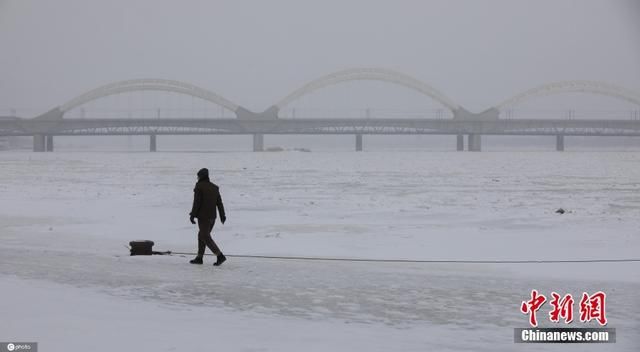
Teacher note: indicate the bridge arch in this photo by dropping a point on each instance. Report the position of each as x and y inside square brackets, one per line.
[595, 87]
[148, 84]
[362, 74]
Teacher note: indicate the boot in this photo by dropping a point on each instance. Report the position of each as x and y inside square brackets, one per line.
[196, 260]
[221, 259]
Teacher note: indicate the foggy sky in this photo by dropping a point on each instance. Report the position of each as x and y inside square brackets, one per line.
[255, 52]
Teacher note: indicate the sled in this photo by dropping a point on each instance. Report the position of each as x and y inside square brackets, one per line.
[141, 247]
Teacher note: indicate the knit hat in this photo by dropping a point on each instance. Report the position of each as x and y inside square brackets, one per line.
[203, 173]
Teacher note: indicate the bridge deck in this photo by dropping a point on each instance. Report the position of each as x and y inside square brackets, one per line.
[184, 126]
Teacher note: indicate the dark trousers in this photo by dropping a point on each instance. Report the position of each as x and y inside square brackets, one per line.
[204, 237]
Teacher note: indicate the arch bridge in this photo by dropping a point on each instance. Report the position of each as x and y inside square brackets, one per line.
[488, 122]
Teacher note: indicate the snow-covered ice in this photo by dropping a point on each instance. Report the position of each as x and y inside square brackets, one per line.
[68, 282]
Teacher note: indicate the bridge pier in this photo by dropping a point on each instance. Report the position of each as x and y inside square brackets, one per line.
[460, 142]
[475, 142]
[152, 143]
[38, 142]
[49, 142]
[560, 143]
[258, 142]
[358, 142]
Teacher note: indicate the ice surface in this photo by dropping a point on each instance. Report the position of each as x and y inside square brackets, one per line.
[65, 218]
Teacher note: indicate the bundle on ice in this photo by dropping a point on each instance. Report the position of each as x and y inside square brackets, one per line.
[142, 247]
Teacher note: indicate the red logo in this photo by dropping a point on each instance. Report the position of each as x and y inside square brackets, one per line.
[562, 308]
[532, 306]
[591, 307]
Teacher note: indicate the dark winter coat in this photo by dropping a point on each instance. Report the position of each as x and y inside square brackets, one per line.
[206, 198]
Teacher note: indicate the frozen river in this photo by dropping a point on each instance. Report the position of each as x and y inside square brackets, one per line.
[66, 217]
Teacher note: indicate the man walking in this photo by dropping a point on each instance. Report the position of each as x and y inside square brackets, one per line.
[206, 198]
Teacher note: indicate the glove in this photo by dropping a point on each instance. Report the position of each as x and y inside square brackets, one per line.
[223, 219]
[191, 218]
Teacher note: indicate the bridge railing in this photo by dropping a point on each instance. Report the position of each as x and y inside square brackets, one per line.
[357, 113]
[570, 114]
[26, 112]
[149, 113]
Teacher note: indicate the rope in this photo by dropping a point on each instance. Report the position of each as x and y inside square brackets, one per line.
[368, 260]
